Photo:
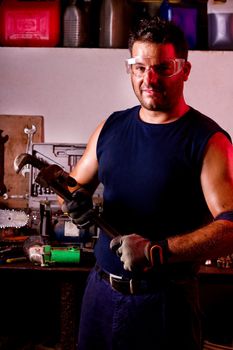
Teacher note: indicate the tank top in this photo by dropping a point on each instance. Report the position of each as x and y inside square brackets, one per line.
[151, 177]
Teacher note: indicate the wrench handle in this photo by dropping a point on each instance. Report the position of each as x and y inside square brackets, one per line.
[61, 191]
[109, 230]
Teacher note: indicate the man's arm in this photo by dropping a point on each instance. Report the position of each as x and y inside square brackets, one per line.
[211, 241]
[85, 171]
[215, 239]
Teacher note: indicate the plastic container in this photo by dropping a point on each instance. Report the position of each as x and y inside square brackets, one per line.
[73, 26]
[220, 24]
[30, 23]
[165, 10]
[115, 22]
[77, 24]
[186, 19]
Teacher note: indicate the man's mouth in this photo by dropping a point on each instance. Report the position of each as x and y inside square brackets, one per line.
[152, 92]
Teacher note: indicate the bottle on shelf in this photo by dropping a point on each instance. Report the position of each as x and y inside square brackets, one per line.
[73, 35]
[165, 10]
[220, 24]
[115, 22]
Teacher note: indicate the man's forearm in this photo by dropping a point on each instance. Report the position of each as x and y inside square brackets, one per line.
[211, 241]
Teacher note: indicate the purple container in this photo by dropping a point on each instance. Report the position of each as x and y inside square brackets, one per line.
[186, 19]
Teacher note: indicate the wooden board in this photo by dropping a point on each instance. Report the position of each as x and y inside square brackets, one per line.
[17, 185]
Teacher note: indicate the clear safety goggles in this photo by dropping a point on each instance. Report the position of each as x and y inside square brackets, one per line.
[138, 66]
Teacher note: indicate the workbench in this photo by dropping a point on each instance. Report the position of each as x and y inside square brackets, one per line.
[42, 304]
[216, 293]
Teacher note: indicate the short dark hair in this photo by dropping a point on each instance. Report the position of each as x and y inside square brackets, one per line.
[156, 30]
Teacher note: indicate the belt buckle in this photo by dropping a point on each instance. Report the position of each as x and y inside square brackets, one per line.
[112, 276]
[134, 286]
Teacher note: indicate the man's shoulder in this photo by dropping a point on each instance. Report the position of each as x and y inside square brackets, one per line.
[202, 119]
[202, 123]
[125, 112]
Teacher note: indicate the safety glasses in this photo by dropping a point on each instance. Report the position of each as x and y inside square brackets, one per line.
[139, 66]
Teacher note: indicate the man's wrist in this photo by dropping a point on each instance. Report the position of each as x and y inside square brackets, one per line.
[157, 252]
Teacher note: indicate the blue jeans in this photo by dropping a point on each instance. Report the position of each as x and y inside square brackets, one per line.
[166, 319]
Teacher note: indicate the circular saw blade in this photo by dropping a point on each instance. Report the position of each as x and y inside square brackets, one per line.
[13, 218]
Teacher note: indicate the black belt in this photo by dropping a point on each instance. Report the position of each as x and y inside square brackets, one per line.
[129, 286]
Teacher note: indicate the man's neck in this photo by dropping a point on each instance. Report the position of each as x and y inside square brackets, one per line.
[163, 117]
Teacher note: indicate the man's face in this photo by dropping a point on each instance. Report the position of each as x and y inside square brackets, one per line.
[155, 91]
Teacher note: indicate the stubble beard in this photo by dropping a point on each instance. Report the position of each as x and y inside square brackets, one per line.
[153, 104]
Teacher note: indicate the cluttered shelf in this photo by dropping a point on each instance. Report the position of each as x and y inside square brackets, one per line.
[106, 23]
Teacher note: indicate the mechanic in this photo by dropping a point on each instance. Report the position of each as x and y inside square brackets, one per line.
[167, 172]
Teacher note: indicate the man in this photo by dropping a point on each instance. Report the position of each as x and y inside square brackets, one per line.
[167, 172]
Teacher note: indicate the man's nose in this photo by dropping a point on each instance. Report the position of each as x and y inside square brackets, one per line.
[151, 76]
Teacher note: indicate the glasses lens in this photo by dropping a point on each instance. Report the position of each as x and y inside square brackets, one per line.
[138, 69]
[167, 68]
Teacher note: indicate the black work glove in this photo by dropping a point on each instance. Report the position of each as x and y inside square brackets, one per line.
[80, 208]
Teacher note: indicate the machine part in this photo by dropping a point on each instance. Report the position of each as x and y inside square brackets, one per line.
[29, 132]
[15, 196]
[35, 255]
[66, 155]
[44, 254]
[13, 218]
[68, 255]
[3, 140]
[45, 219]
[56, 178]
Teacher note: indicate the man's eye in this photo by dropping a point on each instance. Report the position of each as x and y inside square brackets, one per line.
[139, 68]
[164, 68]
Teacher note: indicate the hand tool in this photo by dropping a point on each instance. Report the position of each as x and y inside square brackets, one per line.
[57, 179]
[3, 140]
[29, 132]
[42, 253]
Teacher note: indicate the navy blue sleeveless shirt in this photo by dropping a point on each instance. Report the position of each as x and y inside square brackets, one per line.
[151, 177]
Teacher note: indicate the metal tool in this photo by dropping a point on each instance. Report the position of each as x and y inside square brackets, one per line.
[38, 252]
[56, 178]
[3, 140]
[29, 132]
[13, 218]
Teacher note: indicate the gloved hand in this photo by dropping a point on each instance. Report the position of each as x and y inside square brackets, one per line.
[132, 251]
[79, 207]
[138, 253]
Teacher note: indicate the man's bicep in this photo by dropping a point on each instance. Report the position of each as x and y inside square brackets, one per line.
[217, 174]
[86, 170]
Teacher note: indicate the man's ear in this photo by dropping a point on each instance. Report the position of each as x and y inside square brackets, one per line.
[186, 70]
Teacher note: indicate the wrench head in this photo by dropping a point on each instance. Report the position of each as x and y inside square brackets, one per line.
[20, 161]
[25, 158]
[30, 131]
